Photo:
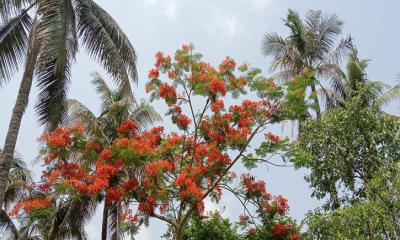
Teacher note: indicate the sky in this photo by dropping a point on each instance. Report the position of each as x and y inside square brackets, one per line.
[219, 28]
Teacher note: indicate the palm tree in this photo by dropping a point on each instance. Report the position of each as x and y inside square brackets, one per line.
[116, 107]
[311, 45]
[45, 34]
[20, 176]
[355, 82]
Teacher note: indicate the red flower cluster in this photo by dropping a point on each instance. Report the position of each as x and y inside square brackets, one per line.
[153, 169]
[183, 121]
[127, 127]
[217, 87]
[279, 228]
[168, 93]
[243, 218]
[154, 73]
[217, 106]
[272, 137]
[228, 64]
[255, 188]
[31, 204]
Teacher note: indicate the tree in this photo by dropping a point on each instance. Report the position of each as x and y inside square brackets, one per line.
[376, 217]
[116, 107]
[346, 147]
[213, 227]
[48, 42]
[20, 177]
[354, 82]
[168, 176]
[310, 45]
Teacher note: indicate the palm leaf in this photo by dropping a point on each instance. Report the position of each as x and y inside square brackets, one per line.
[389, 96]
[344, 49]
[104, 91]
[106, 42]
[7, 226]
[59, 46]
[13, 44]
[69, 221]
[9, 8]
[144, 114]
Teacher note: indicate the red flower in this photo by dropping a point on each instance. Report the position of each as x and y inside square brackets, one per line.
[171, 74]
[272, 137]
[183, 121]
[217, 86]
[159, 59]
[243, 218]
[228, 64]
[282, 204]
[280, 228]
[217, 106]
[186, 48]
[168, 93]
[127, 127]
[294, 236]
[154, 73]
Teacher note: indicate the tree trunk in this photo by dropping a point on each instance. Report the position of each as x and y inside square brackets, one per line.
[317, 109]
[17, 113]
[104, 223]
[178, 234]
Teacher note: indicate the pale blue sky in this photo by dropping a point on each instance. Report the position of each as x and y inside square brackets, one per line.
[218, 28]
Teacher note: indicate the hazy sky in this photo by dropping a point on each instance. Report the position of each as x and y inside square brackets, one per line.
[219, 28]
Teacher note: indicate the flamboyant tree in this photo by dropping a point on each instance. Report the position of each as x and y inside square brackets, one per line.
[168, 175]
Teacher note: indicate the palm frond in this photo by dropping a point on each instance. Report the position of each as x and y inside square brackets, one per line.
[330, 26]
[104, 91]
[8, 8]
[389, 96]
[70, 219]
[79, 112]
[19, 177]
[144, 114]
[273, 45]
[59, 46]
[13, 44]
[106, 42]
[295, 24]
[344, 48]
[114, 230]
[7, 226]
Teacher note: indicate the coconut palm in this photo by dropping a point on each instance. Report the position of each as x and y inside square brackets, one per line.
[44, 34]
[20, 176]
[311, 44]
[115, 107]
[355, 82]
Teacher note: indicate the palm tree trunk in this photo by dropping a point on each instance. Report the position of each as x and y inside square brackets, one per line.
[104, 223]
[17, 113]
[317, 107]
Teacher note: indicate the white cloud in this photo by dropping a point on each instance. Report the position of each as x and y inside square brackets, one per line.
[167, 7]
[226, 26]
[260, 4]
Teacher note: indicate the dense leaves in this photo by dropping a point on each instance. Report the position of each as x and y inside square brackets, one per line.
[347, 146]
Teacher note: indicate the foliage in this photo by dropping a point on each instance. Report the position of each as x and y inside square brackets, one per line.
[59, 27]
[355, 83]
[168, 176]
[346, 147]
[374, 218]
[213, 227]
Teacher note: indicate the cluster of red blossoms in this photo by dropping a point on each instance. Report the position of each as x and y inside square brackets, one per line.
[272, 137]
[31, 204]
[280, 229]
